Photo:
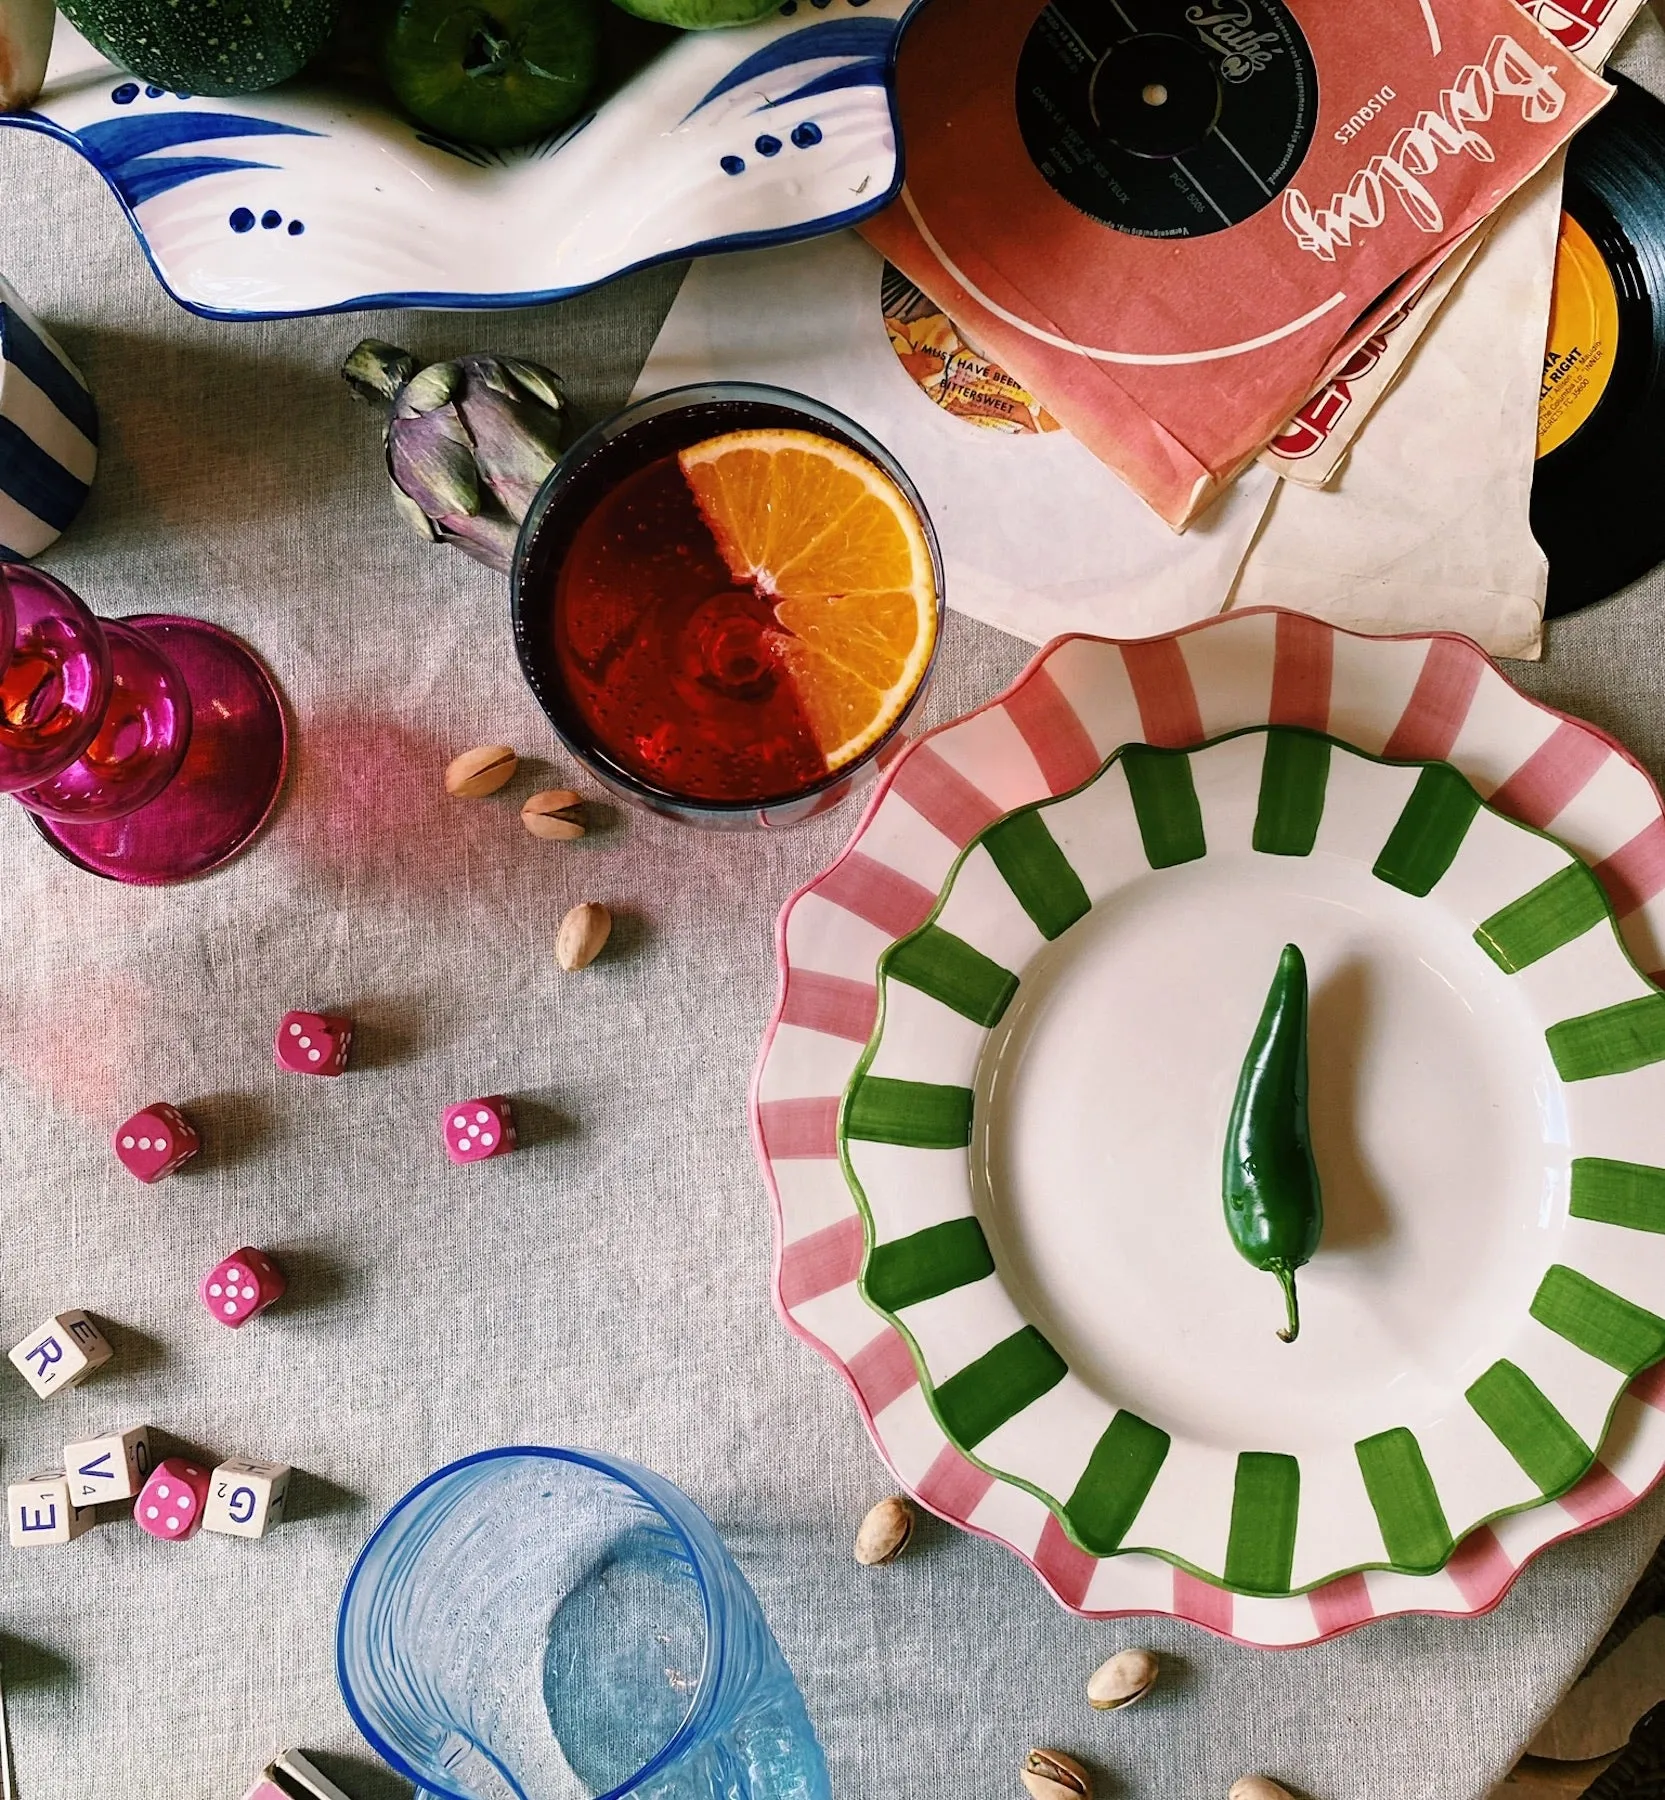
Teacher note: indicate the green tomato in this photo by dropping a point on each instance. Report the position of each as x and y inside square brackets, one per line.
[699, 15]
[493, 72]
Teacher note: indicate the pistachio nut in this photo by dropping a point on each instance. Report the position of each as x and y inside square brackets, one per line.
[1257, 1787]
[556, 813]
[885, 1532]
[583, 933]
[1122, 1680]
[1051, 1775]
[479, 772]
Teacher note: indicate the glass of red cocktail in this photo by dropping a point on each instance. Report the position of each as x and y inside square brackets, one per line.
[727, 599]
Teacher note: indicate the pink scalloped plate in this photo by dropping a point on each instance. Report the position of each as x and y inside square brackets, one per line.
[1431, 697]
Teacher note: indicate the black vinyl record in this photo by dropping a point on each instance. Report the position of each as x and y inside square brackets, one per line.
[1162, 118]
[1598, 492]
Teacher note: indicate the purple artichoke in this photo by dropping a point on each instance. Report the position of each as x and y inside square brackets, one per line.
[469, 442]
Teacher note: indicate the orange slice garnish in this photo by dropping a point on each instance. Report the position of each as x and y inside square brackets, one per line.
[832, 541]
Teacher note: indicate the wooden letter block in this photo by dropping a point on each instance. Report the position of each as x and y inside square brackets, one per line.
[65, 1350]
[112, 1467]
[246, 1498]
[40, 1511]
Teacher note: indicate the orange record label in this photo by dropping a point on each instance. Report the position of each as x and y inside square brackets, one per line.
[947, 370]
[1583, 337]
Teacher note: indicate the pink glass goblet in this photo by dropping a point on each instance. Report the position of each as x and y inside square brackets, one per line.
[57, 683]
[139, 745]
[149, 749]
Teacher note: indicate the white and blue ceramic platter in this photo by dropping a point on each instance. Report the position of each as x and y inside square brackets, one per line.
[311, 198]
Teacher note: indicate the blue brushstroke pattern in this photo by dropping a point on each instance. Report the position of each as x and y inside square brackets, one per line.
[867, 40]
[860, 74]
[122, 149]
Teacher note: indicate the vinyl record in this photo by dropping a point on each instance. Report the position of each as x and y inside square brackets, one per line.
[1598, 493]
[1165, 119]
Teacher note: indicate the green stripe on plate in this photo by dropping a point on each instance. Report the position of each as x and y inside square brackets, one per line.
[1038, 872]
[1601, 1323]
[919, 1114]
[998, 1386]
[1612, 1041]
[1405, 1501]
[1618, 1193]
[1265, 1504]
[927, 1263]
[1293, 778]
[1554, 913]
[1527, 1425]
[952, 971]
[1428, 834]
[1113, 1486]
[1165, 804]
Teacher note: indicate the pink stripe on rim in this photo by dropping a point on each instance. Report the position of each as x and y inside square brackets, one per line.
[1052, 729]
[884, 1369]
[1162, 689]
[1598, 1496]
[833, 1004]
[1065, 1567]
[825, 1260]
[953, 1487]
[1439, 702]
[1304, 662]
[1340, 1605]
[1481, 1568]
[799, 1128]
[1649, 1387]
[877, 893]
[1202, 1603]
[941, 794]
[1555, 773]
[1635, 872]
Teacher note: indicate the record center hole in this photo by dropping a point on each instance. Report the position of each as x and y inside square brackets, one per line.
[1154, 94]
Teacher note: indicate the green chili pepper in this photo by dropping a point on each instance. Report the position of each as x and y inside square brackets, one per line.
[1274, 1207]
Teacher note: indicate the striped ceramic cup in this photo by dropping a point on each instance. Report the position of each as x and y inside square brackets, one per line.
[48, 434]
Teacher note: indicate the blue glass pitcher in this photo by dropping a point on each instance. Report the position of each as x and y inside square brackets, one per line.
[533, 1624]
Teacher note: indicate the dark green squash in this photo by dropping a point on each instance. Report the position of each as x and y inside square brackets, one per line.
[206, 46]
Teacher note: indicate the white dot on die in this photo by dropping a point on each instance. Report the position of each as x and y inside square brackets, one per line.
[248, 1293]
[234, 1275]
[215, 1289]
[184, 1502]
[127, 1143]
[173, 1524]
[161, 1143]
[294, 1031]
[162, 1491]
[231, 1307]
[486, 1140]
[144, 1143]
[306, 1043]
[150, 1512]
[482, 1117]
[474, 1131]
[314, 1055]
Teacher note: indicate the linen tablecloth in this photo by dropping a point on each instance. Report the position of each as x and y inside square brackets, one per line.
[609, 1284]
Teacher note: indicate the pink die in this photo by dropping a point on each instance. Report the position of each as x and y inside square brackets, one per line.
[246, 1283]
[313, 1043]
[478, 1129]
[170, 1503]
[153, 1143]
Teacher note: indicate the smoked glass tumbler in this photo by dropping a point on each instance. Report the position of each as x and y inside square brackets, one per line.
[533, 1624]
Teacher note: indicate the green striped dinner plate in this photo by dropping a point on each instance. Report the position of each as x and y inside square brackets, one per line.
[1034, 1137]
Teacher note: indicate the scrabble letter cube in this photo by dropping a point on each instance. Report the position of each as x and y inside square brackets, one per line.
[313, 1043]
[292, 1777]
[113, 1467]
[65, 1350]
[172, 1501]
[246, 1498]
[245, 1283]
[478, 1129]
[40, 1511]
[153, 1143]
